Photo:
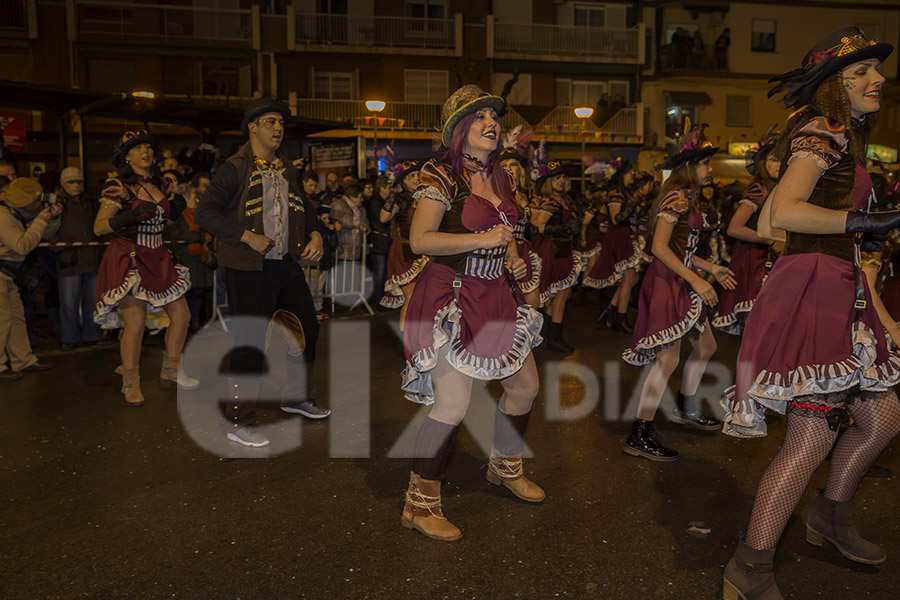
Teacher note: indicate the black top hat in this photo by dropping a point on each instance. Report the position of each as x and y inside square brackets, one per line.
[756, 155]
[837, 51]
[129, 140]
[402, 169]
[259, 107]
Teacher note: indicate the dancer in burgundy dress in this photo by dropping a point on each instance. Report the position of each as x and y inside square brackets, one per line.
[751, 253]
[513, 162]
[621, 254]
[555, 221]
[674, 299]
[404, 265]
[467, 318]
[813, 346]
[136, 270]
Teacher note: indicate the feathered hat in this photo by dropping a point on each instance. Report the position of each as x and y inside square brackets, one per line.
[516, 144]
[690, 147]
[837, 51]
[541, 166]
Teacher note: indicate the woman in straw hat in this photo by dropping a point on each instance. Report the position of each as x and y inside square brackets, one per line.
[467, 318]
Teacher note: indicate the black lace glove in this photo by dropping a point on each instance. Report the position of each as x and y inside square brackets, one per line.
[860, 222]
[177, 204]
[130, 216]
[560, 231]
[531, 230]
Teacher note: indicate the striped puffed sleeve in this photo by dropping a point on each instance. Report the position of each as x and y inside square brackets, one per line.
[823, 140]
[436, 183]
[673, 206]
[113, 193]
[755, 196]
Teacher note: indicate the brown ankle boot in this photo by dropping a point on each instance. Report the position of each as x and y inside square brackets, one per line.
[750, 575]
[131, 386]
[833, 521]
[422, 510]
[172, 374]
[508, 473]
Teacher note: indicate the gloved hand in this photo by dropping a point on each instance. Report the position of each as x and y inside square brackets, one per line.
[860, 222]
[130, 216]
[177, 204]
[561, 231]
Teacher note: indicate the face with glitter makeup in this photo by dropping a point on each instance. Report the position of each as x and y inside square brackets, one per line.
[863, 82]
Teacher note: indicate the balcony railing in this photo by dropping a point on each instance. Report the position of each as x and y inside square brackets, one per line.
[18, 18]
[543, 41]
[372, 31]
[626, 122]
[396, 115]
[157, 23]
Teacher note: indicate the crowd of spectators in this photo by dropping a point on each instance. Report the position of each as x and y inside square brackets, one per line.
[50, 256]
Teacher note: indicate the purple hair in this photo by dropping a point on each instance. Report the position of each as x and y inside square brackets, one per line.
[454, 158]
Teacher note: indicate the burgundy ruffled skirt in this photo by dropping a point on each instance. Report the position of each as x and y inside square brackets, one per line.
[559, 269]
[749, 266]
[153, 278]
[401, 270]
[532, 279]
[489, 329]
[621, 251]
[804, 337]
[668, 310]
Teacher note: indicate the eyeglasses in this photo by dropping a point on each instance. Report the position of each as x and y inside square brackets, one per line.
[270, 122]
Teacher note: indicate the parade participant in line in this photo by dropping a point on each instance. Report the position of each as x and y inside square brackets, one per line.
[467, 318]
[813, 346]
[136, 270]
[555, 221]
[751, 253]
[674, 298]
[514, 163]
[264, 226]
[621, 253]
[643, 188]
[404, 265]
[710, 244]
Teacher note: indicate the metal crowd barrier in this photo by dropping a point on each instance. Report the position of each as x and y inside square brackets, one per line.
[346, 278]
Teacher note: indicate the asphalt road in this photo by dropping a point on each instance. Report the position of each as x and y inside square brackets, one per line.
[101, 500]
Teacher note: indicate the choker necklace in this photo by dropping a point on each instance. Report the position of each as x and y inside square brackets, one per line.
[472, 163]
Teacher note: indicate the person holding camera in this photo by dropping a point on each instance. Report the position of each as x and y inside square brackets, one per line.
[24, 221]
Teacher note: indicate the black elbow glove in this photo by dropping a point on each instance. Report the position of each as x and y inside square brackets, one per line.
[128, 217]
[860, 222]
[177, 204]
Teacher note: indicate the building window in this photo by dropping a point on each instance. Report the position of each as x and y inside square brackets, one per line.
[332, 7]
[620, 90]
[425, 87]
[217, 81]
[571, 92]
[737, 111]
[587, 15]
[426, 9]
[333, 85]
[762, 36]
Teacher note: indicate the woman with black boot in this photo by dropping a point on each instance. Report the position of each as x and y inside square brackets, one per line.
[621, 253]
[674, 299]
[467, 318]
[555, 219]
[813, 346]
[751, 253]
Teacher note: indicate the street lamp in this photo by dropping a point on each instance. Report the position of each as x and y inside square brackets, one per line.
[375, 106]
[584, 113]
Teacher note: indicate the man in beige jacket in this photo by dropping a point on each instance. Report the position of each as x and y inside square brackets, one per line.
[22, 225]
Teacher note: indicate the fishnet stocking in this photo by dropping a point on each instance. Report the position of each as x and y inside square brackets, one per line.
[807, 442]
[876, 420]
